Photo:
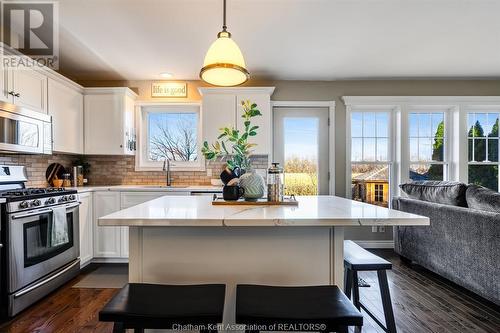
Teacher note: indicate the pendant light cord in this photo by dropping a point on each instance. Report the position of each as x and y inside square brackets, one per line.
[224, 27]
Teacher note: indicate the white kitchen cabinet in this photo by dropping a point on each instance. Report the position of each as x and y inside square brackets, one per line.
[107, 240]
[129, 199]
[217, 111]
[222, 107]
[86, 228]
[65, 105]
[109, 121]
[4, 94]
[25, 87]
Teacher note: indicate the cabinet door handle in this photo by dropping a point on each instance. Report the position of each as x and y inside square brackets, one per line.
[17, 95]
[11, 93]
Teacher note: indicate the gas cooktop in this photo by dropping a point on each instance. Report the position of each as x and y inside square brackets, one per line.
[33, 193]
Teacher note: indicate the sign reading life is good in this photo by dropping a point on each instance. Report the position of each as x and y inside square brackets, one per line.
[168, 89]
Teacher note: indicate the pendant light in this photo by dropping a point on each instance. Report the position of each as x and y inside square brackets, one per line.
[224, 64]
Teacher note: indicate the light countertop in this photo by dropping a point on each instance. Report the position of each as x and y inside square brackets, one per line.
[311, 211]
[151, 188]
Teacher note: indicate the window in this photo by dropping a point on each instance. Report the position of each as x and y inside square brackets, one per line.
[379, 192]
[483, 137]
[427, 145]
[170, 132]
[370, 156]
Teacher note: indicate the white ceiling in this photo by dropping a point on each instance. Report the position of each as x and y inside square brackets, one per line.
[283, 39]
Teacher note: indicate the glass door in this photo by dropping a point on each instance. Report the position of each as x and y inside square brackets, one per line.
[301, 146]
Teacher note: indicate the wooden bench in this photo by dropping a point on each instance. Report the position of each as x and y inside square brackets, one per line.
[152, 306]
[358, 259]
[314, 308]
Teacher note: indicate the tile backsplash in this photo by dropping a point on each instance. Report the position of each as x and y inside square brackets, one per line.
[116, 170]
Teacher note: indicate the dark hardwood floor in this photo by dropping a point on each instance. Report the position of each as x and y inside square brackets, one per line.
[423, 302]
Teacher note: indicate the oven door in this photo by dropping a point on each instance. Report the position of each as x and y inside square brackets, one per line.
[39, 245]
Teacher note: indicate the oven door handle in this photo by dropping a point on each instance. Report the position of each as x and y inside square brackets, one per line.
[42, 211]
[38, 212]
[41, 283]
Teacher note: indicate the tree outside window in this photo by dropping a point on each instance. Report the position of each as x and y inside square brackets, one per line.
[483, 139]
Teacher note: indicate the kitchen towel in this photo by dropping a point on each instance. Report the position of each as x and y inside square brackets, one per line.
[59, 233]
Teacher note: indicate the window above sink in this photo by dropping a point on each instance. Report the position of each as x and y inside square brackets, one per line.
[169, 131]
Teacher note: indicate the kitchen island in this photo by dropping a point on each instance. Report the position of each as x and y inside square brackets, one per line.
[187, 240]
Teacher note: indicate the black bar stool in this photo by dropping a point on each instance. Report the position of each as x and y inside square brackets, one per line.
[316, 308]
[358, 259]
[153, 306]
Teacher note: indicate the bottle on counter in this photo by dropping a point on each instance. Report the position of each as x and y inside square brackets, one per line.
[275, 183]
[66, 180]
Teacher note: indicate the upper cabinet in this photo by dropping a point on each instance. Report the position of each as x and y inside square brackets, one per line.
[25, 87]
[222, 107]
[109, 121]
[29, 88]
[65, 105]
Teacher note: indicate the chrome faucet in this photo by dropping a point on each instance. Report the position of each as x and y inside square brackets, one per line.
[166, 167]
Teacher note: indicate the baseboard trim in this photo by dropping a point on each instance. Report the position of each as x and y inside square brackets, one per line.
[110, 260]
[376, 244]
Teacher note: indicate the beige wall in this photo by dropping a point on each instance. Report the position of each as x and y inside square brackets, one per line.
[334, 90]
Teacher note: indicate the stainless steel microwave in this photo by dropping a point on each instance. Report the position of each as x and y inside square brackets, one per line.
[24, 131]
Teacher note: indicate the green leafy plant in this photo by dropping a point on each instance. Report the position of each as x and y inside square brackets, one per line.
[232, 145]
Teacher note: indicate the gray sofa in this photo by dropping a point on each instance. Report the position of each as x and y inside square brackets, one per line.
[461, 244]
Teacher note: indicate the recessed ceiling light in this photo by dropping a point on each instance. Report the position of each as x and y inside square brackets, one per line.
[166, 75]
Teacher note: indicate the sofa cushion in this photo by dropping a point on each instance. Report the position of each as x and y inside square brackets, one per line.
[482, 198]
[443, 192]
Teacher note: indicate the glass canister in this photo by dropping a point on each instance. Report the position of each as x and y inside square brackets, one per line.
[275, 183]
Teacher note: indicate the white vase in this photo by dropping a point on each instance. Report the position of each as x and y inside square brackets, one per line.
[253, 183]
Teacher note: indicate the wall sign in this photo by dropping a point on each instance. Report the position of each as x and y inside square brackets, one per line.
[169, 89]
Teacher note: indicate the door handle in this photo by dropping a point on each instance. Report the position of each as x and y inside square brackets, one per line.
[41, 283]
[42, 211]
[17, 94]
[38, 212]
[11, 93]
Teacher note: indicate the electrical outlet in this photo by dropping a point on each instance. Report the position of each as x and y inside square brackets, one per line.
[374, 229]
[381, 229]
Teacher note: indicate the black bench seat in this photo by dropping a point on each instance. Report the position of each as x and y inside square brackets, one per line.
[358, 259]
[315, 308]
[153, 306]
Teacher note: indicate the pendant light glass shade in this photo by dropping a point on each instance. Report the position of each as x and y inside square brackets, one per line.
[224, 64]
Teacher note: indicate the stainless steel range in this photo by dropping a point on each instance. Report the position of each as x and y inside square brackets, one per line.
[40, 239]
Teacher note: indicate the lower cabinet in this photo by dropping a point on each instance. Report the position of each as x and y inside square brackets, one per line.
[107, 240]
[129, 199]
[86, 221]
[109, 243]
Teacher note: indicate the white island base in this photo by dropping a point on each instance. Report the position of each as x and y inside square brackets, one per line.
[257, 255]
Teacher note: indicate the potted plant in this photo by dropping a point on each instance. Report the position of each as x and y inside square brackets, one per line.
[233, 147]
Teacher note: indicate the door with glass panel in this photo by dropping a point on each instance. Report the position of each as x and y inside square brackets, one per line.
[301, 145]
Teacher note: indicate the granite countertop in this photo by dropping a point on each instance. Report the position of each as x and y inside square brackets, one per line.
[311, 211]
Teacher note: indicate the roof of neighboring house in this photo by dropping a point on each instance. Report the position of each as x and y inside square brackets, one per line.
[378, 173]
[417, 176]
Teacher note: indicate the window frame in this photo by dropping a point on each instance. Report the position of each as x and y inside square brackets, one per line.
[456, 108]
[391, 149]
[378, 192]
[486, 110]
[142, 162]
[445, 110]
